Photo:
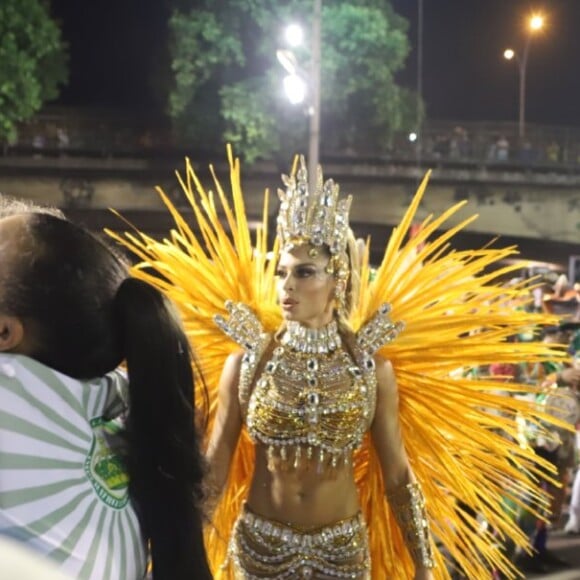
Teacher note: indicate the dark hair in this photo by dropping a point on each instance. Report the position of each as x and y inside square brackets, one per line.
[85, 315]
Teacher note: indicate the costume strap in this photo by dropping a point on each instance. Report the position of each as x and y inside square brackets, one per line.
[244, 328]
[378, 331]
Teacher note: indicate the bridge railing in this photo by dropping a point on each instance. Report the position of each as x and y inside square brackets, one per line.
[96, 133]
[493, 142]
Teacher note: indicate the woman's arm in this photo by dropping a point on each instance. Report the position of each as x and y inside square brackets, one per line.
[226, 429]
[403, 492]
[386, 430]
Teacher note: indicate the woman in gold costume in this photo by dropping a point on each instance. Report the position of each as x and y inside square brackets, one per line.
[321, 463]
[307, 396]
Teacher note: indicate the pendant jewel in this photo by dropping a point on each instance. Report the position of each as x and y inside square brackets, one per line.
[297, 456]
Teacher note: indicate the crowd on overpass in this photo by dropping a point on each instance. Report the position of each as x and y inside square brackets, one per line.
[111, 134]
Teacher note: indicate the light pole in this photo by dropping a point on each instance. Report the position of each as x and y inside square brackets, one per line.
[314, 132]
[300, 86]
[535, 24]
[419, 129]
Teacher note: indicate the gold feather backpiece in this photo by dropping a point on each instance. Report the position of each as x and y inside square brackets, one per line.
[463, 436]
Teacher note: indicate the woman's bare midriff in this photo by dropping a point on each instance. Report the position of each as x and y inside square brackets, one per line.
[304, 496]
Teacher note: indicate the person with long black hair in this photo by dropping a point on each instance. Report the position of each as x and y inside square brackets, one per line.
[100, 468]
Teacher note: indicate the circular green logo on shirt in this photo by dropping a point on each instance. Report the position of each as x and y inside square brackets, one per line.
[104, 466]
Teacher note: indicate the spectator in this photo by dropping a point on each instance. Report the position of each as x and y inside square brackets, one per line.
[502, 149]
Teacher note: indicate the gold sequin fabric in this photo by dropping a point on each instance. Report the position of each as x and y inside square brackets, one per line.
[261, 548]
[312, 406]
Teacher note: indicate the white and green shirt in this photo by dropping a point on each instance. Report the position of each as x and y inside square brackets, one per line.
[63, 486]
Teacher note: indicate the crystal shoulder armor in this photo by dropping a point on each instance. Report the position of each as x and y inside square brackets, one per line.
[245, 329]
[379, 331]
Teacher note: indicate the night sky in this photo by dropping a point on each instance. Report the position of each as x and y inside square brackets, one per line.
[112, 46]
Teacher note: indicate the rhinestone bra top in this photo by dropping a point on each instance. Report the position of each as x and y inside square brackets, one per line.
[305, 403]
[312, 399]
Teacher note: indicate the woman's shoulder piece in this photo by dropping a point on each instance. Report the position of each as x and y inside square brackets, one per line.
[243, 327]
[378, 331]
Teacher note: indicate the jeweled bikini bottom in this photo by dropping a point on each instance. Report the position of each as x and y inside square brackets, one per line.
[262, 548]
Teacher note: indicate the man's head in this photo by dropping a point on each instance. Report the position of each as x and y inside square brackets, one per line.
[57, 288]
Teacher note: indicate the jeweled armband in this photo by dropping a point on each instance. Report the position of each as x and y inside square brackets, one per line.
[408, 505]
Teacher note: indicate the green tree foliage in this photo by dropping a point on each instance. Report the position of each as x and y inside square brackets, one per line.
[33, 61]
[228, 82]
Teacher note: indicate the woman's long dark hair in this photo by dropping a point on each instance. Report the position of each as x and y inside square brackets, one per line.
[161, 431]
[84, 316]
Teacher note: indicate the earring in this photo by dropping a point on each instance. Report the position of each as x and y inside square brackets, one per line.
[340, 297]
[341, 272]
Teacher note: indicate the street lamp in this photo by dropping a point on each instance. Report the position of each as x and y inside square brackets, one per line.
[418, 103]
[295, 88]
[535, 23]
[294, 83]
[299, 85]
[294, 35]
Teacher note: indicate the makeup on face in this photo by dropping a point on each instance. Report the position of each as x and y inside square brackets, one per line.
[305, 287]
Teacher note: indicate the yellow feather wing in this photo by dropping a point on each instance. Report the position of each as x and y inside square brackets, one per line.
[461, 435]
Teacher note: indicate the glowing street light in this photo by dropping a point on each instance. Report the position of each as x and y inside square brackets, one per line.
[534, 24]
[294, 35]
[295, 89]
[288, 61]
[294, 83]
[301, 86]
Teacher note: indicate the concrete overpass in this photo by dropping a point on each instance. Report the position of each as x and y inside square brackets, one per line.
[537, 208]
